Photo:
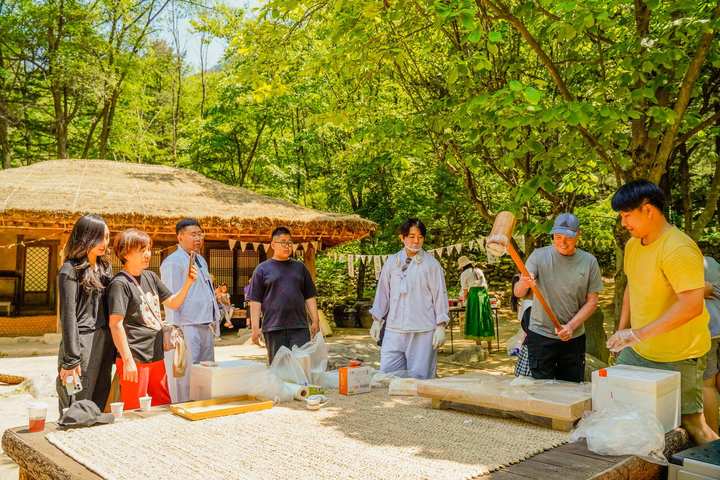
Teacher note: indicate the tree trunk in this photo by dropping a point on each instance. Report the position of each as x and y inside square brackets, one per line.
[5, 151]
[685, 189]
[107, 123]
[595, 336]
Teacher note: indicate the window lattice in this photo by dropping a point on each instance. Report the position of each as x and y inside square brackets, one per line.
[246, 262]
[36, 269]
[220, 265]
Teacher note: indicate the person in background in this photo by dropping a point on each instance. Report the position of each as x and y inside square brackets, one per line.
[283, 290]
[569, 278]
[86, 349]
[663, 321]
[199, 317]
[711, 376]
[134, 299]
[522, 307]
[474, 294]
[411, 302]
[226, 307]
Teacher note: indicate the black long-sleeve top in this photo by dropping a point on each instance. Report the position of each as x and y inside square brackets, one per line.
[81, 311]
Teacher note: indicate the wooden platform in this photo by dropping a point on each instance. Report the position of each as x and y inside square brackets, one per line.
[40, 460]
[557, 405]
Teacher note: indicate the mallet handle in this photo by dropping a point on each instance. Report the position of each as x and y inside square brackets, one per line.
[521, 266]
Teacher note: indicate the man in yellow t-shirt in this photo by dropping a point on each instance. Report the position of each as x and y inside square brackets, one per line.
[663, 304]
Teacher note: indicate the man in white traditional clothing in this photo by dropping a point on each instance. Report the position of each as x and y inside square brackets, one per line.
[411, 304]
[199, 317]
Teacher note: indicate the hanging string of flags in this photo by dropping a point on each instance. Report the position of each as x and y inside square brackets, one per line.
[256, 246]
[377, 261]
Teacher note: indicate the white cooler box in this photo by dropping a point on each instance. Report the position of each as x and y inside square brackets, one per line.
[657, 391]
[223, 380]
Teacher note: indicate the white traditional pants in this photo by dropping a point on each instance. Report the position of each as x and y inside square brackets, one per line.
[199, 340]
[411, 351]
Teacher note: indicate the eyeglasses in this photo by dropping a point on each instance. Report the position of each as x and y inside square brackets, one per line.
[196, 234]
[285, 244]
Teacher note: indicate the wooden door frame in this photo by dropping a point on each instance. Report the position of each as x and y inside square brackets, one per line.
[20, 264]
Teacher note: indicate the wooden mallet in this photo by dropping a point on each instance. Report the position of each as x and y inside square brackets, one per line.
[499, 242]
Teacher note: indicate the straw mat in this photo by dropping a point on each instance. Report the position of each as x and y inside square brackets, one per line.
[364, 437]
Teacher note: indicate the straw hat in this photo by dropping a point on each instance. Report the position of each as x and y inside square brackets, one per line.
[464, 262]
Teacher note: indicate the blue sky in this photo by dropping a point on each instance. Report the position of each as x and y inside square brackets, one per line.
[190, 41]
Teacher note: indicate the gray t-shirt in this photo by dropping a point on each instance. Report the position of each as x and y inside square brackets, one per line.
[565, 282]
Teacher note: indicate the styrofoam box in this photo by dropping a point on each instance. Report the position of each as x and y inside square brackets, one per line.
[657, 391]
[223, 380]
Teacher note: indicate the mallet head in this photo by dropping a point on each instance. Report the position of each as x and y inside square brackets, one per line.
[501, 233]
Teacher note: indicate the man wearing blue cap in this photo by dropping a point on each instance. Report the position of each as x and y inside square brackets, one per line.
[569, 279]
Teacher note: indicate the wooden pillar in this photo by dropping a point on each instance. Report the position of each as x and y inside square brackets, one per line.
[309, 259]
[60, 259]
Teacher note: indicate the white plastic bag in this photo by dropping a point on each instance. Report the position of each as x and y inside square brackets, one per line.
[329, 380]
[623, 430]
[313, 357]
[263, 383]
[287, 367]
[514, 343]
[380, 379]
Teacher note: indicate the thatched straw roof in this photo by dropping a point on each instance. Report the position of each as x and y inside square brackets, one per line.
[51, 195]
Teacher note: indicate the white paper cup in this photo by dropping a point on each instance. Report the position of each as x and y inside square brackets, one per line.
[145, 403]
[117, 409]
[37, 413]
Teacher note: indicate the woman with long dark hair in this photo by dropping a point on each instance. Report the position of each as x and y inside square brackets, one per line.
[86, 350]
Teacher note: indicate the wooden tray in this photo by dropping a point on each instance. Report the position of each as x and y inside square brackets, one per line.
[219, 407]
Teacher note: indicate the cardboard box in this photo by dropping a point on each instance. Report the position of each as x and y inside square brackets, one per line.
[354, 380]
[657, 391]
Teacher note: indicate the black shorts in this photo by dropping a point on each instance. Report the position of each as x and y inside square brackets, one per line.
[551, 358]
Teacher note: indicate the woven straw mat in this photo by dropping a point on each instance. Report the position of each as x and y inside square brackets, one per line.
[363, 437]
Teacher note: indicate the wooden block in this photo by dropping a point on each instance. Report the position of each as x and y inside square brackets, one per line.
[564, 402]
[547, 422]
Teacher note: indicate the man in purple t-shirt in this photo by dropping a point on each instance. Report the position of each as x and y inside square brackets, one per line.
[283, 290]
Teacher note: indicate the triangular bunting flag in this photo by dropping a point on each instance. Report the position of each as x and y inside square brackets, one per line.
[351, 266]
[439, 252]
[266, 246]
[449, 250]
[378, 266]
[231, 244]
[242, 246]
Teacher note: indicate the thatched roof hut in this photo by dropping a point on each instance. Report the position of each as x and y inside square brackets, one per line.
[40, 203]
[51, 195]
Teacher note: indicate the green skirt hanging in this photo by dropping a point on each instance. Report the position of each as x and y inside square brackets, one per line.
[478, 315]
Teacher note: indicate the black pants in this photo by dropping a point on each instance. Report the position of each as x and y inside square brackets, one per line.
[97, 355]
[552, 358]
[285, 338]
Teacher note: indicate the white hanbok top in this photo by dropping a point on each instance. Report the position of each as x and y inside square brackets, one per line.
[414, 298]
[472, 277]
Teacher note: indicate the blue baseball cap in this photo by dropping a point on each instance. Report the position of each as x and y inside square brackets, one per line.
[566, 224]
